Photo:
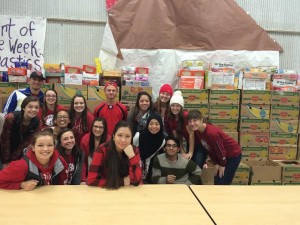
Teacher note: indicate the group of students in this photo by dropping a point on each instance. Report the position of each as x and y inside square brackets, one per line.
[42, 143]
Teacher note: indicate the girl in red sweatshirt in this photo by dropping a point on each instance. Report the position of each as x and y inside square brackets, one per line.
[41, 165]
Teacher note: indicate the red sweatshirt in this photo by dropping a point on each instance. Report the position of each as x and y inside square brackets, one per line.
[78, 128]
[98, 169]
[15, 173]
[219, 146]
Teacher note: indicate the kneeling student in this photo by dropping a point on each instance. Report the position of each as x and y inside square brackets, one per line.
[172, 168]
[41, 165]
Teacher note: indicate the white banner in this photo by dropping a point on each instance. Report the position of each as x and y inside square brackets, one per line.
[22, 40]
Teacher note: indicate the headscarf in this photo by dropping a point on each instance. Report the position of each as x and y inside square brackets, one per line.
[150, 143]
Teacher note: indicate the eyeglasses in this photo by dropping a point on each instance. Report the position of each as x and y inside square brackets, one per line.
[62, 117]
[171, 146]
[98, 127]
[50, 96]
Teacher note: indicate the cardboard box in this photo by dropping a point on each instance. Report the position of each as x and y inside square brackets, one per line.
[284, 82]
[90, 79]
[255, 153]
[254, 139]
[290, 171]
[284, 126]
[242, 174]
[256, 97]
[7, 88]
[254, 125]
[225, 125]
[251, 111]
[92, 104]
[282, 153]
[224, 97]
[284, 112]
[17, 78]
[97, 93]
[191, 82]
[207, 175]
[129, 106]
[185, 72]
[111, 73]
[65, 92]
[217, 111]
[263, 171]
[203, 108]
[129, 93]
[285, 98]
[136, 83]
[73, 78]
[283, 139]
[234, 135]
[195, 96]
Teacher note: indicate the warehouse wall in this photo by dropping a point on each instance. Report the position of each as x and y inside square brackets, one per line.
[75, 27]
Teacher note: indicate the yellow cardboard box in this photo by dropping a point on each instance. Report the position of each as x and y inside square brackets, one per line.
[254, 125]
[224, 97]
[255, 152]
[256, 97]
[282, 153]
[251, 111]
[285, 98]
[284, 126]
[217, 111]
[254, 139]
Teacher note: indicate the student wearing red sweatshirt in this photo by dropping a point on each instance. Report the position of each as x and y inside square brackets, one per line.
[223, 150]
[41, 165]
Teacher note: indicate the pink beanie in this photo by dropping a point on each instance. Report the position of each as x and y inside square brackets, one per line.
[166, 88]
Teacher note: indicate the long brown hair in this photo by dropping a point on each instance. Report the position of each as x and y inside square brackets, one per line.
[117, 167]
[84, 119]
[45, 106]
[92, 136]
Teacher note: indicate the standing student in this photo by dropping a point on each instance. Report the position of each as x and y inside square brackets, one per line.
[112, 110]
[141, 111]
[91, 141]
[49, 109]
[116, 163]
[41, 165]
[162, 104]
[72, 154]
[177, 126]
[172, 168]
[150, 141]
[81, 117]
[223, 150]
[18, 130]
[15, 99]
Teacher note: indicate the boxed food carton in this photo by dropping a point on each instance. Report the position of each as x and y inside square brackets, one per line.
[65, 92]
[255, 152]
[6, 88]
[290, 171]
[263, 171]
[129, 93]
[224, 97]
[282, 153]
[283, 139]
[207, 175]
[254, 125]
[195, 96]
[250, 111]
[284, 82]
[203, 108]
[284, 112]
[218, 111]
[227, 125]
[191, 82]
[254, 139]
[284, 126]
[285, 98]
[256, 97]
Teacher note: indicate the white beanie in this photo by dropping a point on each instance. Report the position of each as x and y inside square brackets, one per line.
[177, 98]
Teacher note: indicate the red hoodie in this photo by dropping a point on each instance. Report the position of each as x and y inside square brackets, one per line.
[15, 173]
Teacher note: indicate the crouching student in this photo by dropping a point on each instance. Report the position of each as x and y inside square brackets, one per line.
[41, 165]
[223, 150]
[172, 168]
[72, 154]
[116, 163]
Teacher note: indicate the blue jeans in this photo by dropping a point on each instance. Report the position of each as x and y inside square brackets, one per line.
[230, 168]
[199, 156]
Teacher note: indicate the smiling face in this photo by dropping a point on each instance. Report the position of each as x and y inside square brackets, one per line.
[98, 128]
[50, 97]
[122, 138]
[62, 119]
[144, 103]
[196, 124]
[154, 126]
[43, 149]
[175, 108]
[79, 105]
[36, 84]
[31, 110]
[164, 97]
[67, 140]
